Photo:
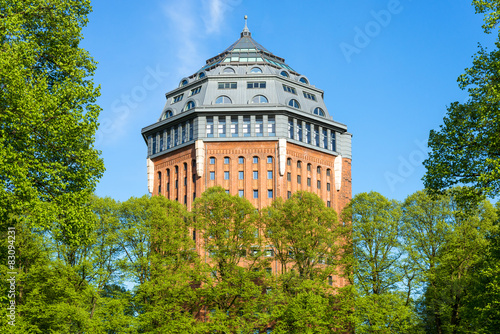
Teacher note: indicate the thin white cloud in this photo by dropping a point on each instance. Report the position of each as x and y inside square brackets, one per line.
[213, 22]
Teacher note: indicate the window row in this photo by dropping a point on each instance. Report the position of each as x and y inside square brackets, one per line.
[243, 126]
[241, 160]
[241, 175]
[170, 137]
[311, 134]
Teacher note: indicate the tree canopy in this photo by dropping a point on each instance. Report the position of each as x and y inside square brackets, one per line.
[48, 115]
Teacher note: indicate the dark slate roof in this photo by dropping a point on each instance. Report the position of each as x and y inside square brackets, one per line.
[247, 51]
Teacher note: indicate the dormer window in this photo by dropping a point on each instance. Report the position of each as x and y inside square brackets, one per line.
[285, 74]
[294, 104]
[228, 70]
[223, 100]
[183, 83]
[319, 111]
[189, 106]
[259, 99]
[177, 98]
[304, 80]
[256, 70]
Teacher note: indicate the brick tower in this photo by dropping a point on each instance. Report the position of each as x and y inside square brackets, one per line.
[250, 123]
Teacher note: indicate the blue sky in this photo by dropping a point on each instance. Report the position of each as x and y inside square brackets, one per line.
[388, 69]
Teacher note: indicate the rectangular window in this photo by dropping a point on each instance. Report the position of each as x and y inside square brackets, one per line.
[226, 160]
[161, 141]
[290, 128]
[226, 175]
[308, 181]
[227, 191]
[259, 125]
[269, 174]
[256, 193]
[328, 187]
[211, 160]
[289, 176]
[256, 84]
[255, 175]
[333, 146]
[241, 193]
[309, 96]
[269, 252]
[319, 184]
[222, 126]
[227, 85]
[241, 175]
[234, 126]
[255, 160]
[212, 175]
[195, 91]
[329, 204]
[288, 194]
[308, 133]
[246, 126]
[241, 160]
[185, 180]
[194, 234]
[185, 199]
[177, 98]
[168, 186]
[184, 133]
[328, 172]
[271, 126]
[190, 130]
[269, 160]
[169, 139]
[330, 280]
[325, 139]
[299, 179]
[154, 144]
[210, 126]
[316, 136]
[176, 184]
[299, 131]
[176, 136]
[289, 89]
[270, 193]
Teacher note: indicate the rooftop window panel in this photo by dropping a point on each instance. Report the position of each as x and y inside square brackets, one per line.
[227, 85]
[289, 89]
[309, 96]
[261, 84]
[177, 98]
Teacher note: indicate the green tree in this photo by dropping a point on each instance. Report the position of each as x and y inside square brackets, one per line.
[48, 115]
[382, 305]
[466, 148]
[445, 241]
[308, 242]
[233, 296]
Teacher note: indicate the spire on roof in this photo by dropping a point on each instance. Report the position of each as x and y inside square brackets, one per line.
[245, 31]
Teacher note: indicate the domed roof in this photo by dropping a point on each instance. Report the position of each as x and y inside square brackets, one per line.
[247, 51]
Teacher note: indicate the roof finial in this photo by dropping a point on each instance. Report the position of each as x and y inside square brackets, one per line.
[245, 31]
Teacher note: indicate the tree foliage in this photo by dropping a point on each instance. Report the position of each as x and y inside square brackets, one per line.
[48, 115]
[465, 150]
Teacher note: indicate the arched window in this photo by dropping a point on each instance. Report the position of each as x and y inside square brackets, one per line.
[318, 170]
[304, 80]
[184, 82]
[167, 114]
[294, 103]
[256, 70]
[289, 162]
[189, 106]
[241, 160]
[228, 70]
[283, 73]
[259, 99]
[319, 111]
[299, 164]
[201, 75]
[223, 100]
